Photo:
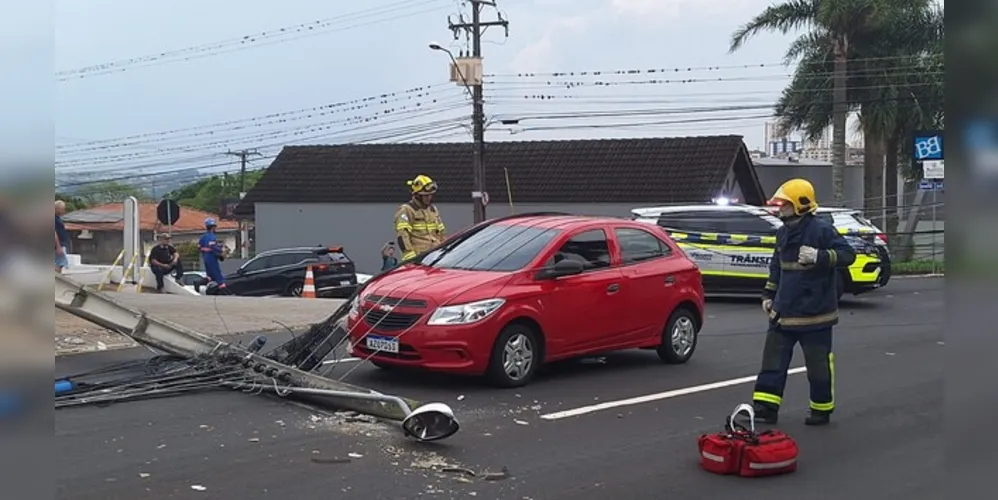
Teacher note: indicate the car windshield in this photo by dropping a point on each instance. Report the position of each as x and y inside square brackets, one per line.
[498, 247]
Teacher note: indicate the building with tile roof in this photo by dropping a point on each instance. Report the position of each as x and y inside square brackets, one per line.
[96, 233]
[347, 194]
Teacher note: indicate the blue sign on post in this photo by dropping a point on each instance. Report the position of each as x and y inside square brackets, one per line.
[930, 185]
[928, 145]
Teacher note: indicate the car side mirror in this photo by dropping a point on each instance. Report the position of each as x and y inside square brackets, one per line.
[565, 267]
[240, 271]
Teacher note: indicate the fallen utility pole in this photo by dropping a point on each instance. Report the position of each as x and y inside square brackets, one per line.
[428, 422]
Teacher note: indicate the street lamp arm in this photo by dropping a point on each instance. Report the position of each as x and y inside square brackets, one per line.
[457, 67]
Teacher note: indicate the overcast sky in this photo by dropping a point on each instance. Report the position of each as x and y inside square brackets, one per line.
[379, 46]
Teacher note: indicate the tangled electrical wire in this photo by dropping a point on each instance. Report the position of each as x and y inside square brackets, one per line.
[156, 377]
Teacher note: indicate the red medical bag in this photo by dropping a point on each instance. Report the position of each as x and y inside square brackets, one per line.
[746, 452]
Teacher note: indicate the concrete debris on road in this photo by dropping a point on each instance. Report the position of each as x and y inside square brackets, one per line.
[459, 470]
[497, 476]
[350, 423]
[330, 460]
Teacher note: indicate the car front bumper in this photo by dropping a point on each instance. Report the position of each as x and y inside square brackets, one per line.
[460, 349]
[868, 273]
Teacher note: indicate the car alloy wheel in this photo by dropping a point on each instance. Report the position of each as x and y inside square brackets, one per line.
[518, 357]
[517, 353]
[683, 336]
[295, 289]
[679, 338]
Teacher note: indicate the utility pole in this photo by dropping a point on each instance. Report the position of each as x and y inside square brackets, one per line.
[242, 237]
[475, 29]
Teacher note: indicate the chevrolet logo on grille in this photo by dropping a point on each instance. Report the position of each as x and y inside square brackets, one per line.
[386, 308]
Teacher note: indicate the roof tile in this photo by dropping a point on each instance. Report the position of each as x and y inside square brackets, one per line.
[654, 170]
[109, 217]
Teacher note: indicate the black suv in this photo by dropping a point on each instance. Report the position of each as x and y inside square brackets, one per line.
[282, 272]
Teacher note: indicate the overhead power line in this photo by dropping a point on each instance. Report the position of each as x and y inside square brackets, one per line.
[362, 133]
[359, 134]
[422, 131]
[903, 60]
[214, 139]
[270, 37]
[347, 105]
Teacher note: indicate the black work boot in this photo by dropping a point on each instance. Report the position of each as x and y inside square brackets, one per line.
[816, 417]
[766, 414]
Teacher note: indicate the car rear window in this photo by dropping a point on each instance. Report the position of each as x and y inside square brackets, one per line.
[336, 257]
[500, 247]
[863, 221]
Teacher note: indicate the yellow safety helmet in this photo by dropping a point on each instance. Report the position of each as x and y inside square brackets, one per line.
[797, 192]
[422, 184]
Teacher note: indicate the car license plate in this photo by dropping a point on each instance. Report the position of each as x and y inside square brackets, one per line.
[344, 283]
[383, 344]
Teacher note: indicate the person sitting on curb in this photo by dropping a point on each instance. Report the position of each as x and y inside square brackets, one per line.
[388, 258]
[164, 259]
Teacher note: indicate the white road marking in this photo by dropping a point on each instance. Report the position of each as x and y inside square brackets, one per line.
[341, 360]
[659, 396]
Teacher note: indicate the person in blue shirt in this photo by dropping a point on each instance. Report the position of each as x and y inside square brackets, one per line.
[212, 253]
[801, 300]
[388, 259]
[61, 238]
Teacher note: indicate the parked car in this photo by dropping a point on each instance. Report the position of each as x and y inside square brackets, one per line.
[282, 272]
[851, 222]
[513, 293]
[195, 280]
[733, 243]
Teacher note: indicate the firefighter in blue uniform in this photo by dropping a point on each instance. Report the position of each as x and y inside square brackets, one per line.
[801, 300]
[212, 253]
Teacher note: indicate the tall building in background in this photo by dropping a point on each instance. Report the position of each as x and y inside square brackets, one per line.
[779, 145]
[820, 149]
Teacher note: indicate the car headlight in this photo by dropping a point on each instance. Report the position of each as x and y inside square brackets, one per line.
[463, 314]
[354, 307]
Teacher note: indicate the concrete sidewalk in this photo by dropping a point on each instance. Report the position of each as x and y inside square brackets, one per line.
[210, 315]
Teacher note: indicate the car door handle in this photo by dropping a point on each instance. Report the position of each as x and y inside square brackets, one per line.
[670, 280]
[614, 288]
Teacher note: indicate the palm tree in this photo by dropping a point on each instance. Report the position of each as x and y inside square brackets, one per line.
[831, 25]
[894, 81]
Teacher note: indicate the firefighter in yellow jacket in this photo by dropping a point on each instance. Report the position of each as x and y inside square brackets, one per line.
[418, 225]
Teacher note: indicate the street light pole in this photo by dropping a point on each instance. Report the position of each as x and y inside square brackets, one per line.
[476, 29]
[478, 137]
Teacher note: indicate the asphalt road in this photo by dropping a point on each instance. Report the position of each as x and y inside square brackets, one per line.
[885, 441]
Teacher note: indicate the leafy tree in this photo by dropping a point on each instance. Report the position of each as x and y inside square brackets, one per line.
[73, 203]
[207, 194]
[831, 26]
[895, 81]
[189, 252]
[107, 192]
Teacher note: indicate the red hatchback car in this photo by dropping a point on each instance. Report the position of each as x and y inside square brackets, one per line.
[510, 294]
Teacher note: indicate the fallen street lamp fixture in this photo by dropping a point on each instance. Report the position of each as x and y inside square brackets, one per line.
[429, 422]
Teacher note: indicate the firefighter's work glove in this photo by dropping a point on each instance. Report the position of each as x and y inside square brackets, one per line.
[408, 256]
[807, 255]
[767, 306]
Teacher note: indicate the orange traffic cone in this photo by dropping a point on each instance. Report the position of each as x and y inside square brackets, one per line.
[308, 289]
